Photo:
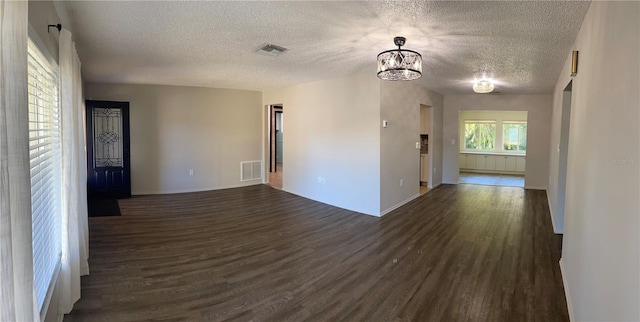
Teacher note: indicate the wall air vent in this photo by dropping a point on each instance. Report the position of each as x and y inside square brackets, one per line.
[250, 170]
[272, 50]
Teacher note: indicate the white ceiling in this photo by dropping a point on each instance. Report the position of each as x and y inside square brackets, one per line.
[521, 45]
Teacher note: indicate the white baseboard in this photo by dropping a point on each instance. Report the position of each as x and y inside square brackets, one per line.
[535, 187]
[248, 183]
[566, 291]
[553, 217]
[402, 203]
[433, 187]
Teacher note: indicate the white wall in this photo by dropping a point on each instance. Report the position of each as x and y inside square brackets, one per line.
[436, 145]
[601, 245]
[333, 131]
[175, 129]
[42, 14]
[538, 109]
[399, 157]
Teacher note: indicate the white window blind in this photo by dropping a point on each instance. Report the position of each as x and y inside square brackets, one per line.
[44, 153]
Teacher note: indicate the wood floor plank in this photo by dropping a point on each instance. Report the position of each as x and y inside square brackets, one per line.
[457, 253]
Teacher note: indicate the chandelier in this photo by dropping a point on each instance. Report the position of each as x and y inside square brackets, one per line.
[399, 64]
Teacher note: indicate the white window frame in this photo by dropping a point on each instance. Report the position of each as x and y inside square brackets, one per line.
[463, 142]
[503, 137]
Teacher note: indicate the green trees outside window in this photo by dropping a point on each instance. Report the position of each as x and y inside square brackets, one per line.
[479, 135]
[514, 136]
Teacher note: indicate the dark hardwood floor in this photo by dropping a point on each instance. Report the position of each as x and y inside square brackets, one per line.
[457, 253]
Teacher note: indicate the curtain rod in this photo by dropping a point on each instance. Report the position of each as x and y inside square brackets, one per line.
[58, 26]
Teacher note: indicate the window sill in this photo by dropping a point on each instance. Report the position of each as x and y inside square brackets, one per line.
[495, 153]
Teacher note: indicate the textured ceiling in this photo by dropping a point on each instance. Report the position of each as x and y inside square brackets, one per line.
[521, 45]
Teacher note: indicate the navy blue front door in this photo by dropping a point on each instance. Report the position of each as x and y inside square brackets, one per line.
[108, 154]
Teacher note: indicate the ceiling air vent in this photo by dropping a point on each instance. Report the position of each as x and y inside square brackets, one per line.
[272, 50]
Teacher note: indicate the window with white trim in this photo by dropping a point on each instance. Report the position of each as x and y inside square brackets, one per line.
[479, 135]
[44, 155]
[514, 137]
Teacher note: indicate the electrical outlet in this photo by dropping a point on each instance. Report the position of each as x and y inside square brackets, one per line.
[401, 182]
[434, 170]
[320, 179]
[191, 172]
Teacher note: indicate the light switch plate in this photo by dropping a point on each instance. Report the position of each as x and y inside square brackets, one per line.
[417, 145]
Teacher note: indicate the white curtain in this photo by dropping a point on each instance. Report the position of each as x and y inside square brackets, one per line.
[17, 296]
[75, 230]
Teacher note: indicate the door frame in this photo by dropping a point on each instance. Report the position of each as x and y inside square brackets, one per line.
[430, 141]
[563, 157]
[273, 144]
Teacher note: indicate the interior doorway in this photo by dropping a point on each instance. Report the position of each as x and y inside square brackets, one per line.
[425, 157]
[492, 147]
[563, 155]
[276, 145]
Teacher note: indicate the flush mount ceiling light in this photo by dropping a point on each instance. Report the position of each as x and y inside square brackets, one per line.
[399, 64]
[483, 86]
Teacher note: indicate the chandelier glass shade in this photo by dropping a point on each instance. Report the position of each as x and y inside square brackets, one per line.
[483, 86]
[399, 64]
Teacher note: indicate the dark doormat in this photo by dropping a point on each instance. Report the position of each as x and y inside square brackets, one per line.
[103, 207]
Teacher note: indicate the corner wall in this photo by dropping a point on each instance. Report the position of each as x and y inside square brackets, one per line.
[332, 131]
[176, 128]
[399, 157]
[538, 131]
[601, 245]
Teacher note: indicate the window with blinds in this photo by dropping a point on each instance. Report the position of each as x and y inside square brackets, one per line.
[45, 155]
